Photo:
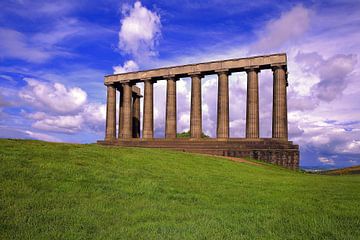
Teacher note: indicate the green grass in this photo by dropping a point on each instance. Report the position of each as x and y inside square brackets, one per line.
[67, 191]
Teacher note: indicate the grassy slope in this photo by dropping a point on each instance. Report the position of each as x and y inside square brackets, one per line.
[63, 191]
[348, 170]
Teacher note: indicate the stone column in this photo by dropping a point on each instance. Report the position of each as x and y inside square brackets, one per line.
[136, 115]
[279, 121]
[223, 105]
[252, 103]
[111, 113]
[170, 126]
[195, 114]
[148, 118]
[121, 113]
[127, 116]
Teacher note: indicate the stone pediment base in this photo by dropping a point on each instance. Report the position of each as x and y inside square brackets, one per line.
[279, 152]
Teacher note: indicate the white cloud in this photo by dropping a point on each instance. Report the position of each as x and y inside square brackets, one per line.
[54, 97]
[129, 66]
[7, 78]
[57, 108]
[91, 116]
[290, 26]
[14, 44]
[42, 136]
[38, 9]
[42, 46]
[94, 116]
[326, 161]
[140, 31]
[353, 146]
[332, 72]
[64, 124]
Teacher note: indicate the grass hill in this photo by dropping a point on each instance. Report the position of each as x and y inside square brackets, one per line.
[72, 191]
[348, 170]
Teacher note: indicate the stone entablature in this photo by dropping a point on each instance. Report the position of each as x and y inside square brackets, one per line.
[230, 65]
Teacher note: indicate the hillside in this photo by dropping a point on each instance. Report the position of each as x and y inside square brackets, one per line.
[70, 191]
[341, 171]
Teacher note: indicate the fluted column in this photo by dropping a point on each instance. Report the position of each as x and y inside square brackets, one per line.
[111, 113]
[148, 118]
[136, 116]
[252, 103]
[127, 116]
[195, 114]
[223, 105]
[170, 126]
[121, 114]
[279, 122]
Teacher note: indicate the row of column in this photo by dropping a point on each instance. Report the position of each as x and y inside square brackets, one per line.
[129, 129]
[129, 112]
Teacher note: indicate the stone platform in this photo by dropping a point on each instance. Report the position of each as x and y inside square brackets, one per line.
[275, 151]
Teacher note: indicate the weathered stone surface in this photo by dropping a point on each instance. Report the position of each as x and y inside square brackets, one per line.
[121, 114]
[223, 105]
[276, 151]
[127, 110]
[196, 113]
[279, 122]
[148, 118]
[264, 62]
[136, 116]
[170, 121]
[252, 104]
[111, 113]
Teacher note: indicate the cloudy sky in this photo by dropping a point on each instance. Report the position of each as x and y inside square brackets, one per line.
[54, 54]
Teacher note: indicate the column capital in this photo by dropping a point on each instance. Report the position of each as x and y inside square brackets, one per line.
[252, 69]
[278, 66]
[194, 74]
[128, 83]
[171, 76]
[109, 84]
[223, 71]
[136, 91]
[148, 79]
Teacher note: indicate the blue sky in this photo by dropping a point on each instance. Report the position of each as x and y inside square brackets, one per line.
[54, 54]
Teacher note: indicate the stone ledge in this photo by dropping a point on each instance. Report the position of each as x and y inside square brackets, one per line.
[279, 152]
[233, 65]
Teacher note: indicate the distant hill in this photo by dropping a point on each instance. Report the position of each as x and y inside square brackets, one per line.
[342, 171]
[74, 191]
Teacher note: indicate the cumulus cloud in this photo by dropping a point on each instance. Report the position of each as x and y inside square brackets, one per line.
[91, 117]
[57, 108]
[326, 160]
[290, 26]
[94, 115]
[139, 31]
[129, 66]
[333, 73]
[64, 124]
[53, 97]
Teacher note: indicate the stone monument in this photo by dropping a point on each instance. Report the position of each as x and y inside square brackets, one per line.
[277, 150]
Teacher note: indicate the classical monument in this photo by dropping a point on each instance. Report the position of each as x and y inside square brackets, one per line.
[277, 150]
